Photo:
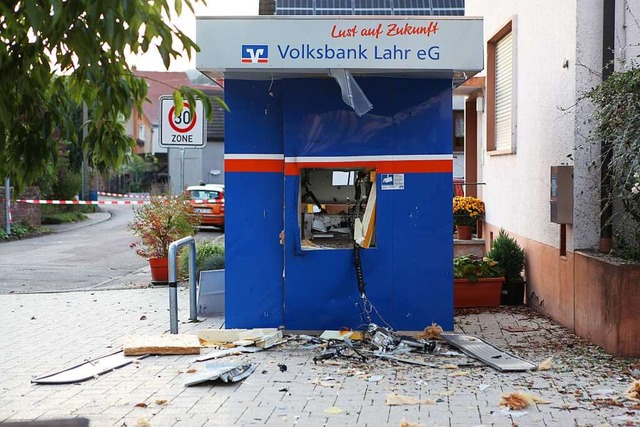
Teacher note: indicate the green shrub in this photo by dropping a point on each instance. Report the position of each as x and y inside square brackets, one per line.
[209, 256]
[509, 254]
[473, 267]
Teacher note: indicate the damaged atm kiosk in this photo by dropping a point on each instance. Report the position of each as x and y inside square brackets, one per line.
[338, 166]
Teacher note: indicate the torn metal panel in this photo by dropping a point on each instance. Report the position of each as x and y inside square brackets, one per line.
[91, 368]
[227, 352]
[487, 353]
[227, 373]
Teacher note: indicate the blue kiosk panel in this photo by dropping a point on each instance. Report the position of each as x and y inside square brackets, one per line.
[254, 294]
[408, 273]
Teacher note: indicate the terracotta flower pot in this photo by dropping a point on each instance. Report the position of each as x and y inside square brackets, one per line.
[486, 292]
[159, 269]
[464, 232]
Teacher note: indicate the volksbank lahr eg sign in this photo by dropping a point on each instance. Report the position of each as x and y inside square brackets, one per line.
[313, 43]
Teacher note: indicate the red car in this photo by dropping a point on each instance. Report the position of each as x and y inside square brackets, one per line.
[208, 203]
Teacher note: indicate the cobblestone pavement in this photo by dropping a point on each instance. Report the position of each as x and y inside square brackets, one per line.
[44, 332]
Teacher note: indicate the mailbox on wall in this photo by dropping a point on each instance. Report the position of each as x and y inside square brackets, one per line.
[562, 194]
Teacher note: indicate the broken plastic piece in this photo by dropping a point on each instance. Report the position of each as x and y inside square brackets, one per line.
[352, 94]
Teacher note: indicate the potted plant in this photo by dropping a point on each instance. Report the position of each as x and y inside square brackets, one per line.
[466, 212]
[510, 255]
[157, 224]
[477, 281]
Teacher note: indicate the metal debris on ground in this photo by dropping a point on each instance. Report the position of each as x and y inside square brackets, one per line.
[487, 353]
[228, 373]
[90, 368]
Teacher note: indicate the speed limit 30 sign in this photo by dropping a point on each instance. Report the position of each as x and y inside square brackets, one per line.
[186, 129]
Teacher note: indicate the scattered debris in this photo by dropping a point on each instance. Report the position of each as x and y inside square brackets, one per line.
[483, 387]
[143, 317]
[633, 392]
[520, 400]
[333, 410]
[325, 382]
[545, 365]
[141, 405]
[91, 368]
[228, 373]
[161, 402]
[282, 367]
[135, 345]
[398, 400]
[142, 422]
[520, 328]
[375, 378]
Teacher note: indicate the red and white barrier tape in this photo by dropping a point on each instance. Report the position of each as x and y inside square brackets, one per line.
[83, 202]
[100, 202]
[131, 196]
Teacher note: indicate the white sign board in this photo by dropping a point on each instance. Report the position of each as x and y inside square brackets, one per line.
[392, 181]
[307, 43]
[183, 130]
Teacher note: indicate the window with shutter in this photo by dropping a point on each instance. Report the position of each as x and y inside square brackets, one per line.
[500, 92]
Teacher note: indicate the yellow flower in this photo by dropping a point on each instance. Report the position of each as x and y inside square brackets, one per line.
[467, 209]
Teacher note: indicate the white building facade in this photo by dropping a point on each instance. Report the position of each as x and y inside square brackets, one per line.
[526, 115]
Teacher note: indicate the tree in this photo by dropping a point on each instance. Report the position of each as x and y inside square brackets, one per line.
[55, 54]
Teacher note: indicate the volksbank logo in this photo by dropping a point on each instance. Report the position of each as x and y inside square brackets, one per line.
[255, 53]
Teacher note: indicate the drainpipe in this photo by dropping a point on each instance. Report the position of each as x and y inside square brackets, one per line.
[606, 208]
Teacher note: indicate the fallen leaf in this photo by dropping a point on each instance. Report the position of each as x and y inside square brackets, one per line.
[141, 405]
[520, 400]
[608, 402]
[545, 365]
[333, 410]
[162, 402]
[142, 422]
[633, 392]
[191, 371]
[405, 423]
[397, 400]
[431, 332]
[450, 366]
[143, 317]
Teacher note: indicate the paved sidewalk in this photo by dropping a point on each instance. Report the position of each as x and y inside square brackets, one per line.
[43, 332]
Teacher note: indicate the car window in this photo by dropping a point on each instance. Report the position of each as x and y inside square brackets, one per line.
[203, 195]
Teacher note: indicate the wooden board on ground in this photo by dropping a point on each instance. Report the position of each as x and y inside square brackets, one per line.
[161, 344]
[221, 335]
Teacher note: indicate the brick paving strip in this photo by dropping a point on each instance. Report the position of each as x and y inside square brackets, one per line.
[44, 332]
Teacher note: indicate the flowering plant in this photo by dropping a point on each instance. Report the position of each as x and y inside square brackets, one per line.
[162, 221]
[467, 210]
[473, 267]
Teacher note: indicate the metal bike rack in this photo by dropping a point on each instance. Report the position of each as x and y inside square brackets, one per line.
[173, 281]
